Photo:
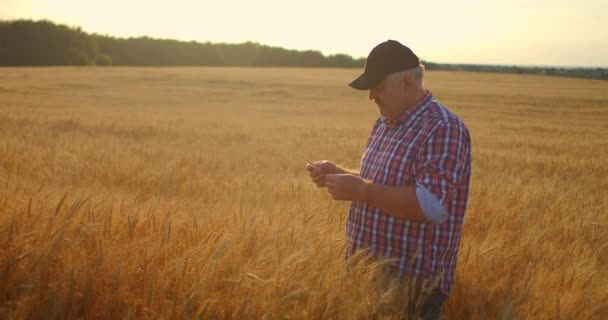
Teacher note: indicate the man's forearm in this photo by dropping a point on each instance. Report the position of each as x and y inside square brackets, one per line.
[400, 202]
[347, 171]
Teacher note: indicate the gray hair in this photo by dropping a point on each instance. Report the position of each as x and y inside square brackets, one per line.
[417, 73]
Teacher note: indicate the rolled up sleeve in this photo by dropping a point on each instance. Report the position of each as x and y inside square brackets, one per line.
[441, 164]
[431, 207]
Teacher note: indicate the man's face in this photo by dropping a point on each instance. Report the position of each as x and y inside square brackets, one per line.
[389, 95]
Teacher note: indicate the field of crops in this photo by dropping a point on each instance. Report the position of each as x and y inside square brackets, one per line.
[168, 193]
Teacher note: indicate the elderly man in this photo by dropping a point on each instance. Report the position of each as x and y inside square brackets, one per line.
[410, 196]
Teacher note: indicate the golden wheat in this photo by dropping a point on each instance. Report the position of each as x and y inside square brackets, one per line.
[181, 192]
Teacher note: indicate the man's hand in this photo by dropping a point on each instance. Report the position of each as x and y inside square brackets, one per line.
[343, 184]
[319, 169]
[346, 187]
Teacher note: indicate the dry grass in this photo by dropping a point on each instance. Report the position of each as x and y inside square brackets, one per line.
[180, 192]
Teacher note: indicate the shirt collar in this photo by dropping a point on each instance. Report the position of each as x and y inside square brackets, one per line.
[410, 113]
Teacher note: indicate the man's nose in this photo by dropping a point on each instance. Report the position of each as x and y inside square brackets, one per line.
[371, 94]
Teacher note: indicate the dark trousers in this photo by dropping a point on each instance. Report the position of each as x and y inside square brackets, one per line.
[431, 309]
[427, 309]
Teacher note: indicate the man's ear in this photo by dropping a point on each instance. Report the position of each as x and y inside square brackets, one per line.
[408, 81]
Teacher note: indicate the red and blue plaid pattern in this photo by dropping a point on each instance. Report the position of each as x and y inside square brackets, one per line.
[426, 145]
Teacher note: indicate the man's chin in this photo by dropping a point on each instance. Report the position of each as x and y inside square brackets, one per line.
[383, 113]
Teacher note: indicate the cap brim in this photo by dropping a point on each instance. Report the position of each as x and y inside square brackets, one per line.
[364, 82]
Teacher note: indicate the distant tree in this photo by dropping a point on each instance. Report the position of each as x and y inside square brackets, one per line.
[310, 58]
[342, 60]
[26, 42]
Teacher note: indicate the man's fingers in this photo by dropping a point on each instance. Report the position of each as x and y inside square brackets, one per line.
[317, 175]
[331, 188]
[330, 177]
[313, 165]
[314, 171]
[332, 193]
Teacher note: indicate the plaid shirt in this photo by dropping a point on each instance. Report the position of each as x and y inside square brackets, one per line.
[425, 145]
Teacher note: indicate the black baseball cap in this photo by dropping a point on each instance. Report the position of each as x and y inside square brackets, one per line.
[386, 58]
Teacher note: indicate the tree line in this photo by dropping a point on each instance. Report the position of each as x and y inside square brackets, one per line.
[577, 72]
[44, 43]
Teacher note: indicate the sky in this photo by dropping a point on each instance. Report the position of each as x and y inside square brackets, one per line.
[510, 32]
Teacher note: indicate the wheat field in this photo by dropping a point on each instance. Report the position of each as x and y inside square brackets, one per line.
[166, 193]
